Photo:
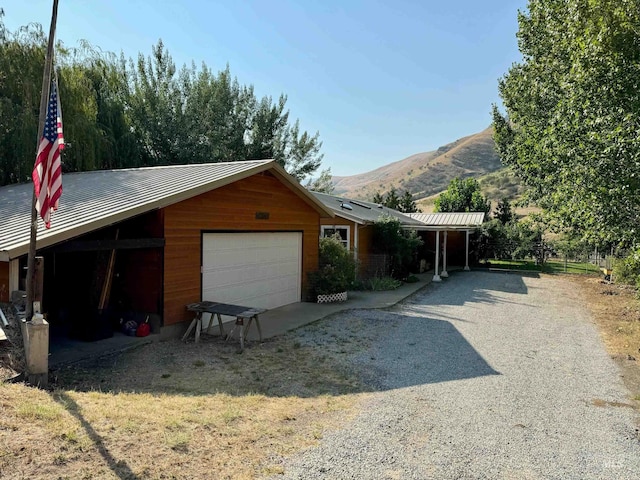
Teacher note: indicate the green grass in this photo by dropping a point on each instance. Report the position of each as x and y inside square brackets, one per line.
[550, 266]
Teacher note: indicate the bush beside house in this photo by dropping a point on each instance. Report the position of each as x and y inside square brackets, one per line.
[337, 270]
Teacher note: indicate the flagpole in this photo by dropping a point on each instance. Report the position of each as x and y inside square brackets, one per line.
[44, 98]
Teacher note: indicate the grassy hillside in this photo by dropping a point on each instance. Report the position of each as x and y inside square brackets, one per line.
[428, 173]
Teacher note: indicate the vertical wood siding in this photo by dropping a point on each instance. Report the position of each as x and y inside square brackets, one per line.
[4, 282]
[229, 208]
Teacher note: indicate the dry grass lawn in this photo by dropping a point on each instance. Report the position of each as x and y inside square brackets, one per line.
[174, 410]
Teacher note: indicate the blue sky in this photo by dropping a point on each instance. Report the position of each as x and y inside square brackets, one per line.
[379, 80]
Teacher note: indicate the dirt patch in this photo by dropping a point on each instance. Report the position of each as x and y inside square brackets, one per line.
[11, 350]
[616, 311]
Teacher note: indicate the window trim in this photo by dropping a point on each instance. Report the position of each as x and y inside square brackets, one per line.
[323, 234]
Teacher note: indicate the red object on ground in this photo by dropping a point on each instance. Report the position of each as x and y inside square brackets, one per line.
[143, 330]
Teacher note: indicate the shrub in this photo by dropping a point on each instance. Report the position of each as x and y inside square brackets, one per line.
[401, 245]
[627, 269]
[337, 268]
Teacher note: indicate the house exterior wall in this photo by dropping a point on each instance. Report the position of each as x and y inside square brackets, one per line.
[240, 206]
[365, 240]
[4, 282]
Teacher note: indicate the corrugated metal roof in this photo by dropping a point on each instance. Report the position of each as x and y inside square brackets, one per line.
[91, 200]
[362, 212]
[449, 219]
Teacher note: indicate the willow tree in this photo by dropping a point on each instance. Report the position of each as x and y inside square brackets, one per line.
[21, 63]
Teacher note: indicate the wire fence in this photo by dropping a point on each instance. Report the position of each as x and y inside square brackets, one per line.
[541, 256]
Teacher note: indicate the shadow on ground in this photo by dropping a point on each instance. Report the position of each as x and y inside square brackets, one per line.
[349, 352]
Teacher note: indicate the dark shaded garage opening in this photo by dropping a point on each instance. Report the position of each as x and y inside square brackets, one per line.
[95, 283]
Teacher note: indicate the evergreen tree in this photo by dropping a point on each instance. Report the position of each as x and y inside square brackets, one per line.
[392, 200]
[322, 184]
[407, 205]
[378, 198]
[504, 212]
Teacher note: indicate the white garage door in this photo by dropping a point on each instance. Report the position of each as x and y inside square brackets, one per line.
[253, 269]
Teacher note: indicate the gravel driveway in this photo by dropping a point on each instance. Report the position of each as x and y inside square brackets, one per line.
[486, 375]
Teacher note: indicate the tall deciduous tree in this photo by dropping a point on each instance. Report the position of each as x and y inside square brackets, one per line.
[156, 108]
[572, 126]
[21, 64]
[462, 195]
[119, 114]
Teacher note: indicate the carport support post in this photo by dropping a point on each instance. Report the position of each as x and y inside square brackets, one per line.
[466, 253]
[444, 272]
[436, 277]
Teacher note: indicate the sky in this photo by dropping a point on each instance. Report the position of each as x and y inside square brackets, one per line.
[379, 80]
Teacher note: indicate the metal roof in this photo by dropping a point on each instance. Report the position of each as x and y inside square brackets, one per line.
[92, 200]
[362, 212]
[449, 220]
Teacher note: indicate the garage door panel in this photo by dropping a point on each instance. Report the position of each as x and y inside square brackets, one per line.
[256, 269]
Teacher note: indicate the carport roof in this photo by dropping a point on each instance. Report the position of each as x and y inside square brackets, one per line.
[93, 200]
[449, 220]
[362, 212]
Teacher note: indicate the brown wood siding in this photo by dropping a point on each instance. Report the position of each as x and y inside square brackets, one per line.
[229, 208]
[4, 282]
[365, 239]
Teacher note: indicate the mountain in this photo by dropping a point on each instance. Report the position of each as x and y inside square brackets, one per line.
[426, 174]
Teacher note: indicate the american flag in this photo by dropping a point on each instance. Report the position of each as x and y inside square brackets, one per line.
[47, 172]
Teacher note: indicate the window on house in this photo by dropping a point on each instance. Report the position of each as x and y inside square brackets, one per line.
[342, 231]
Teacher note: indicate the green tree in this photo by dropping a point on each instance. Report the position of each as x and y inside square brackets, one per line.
[504, 212]
[271, 136]
[400, 245]
[156, 108]
[462, 196]
[378, 198]
[392, 200]
[570, 131]
[322, 184]
[407, 204]
[492, 241]
[120, 113]
[21, 66]
[217, 115]
[92, 91]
